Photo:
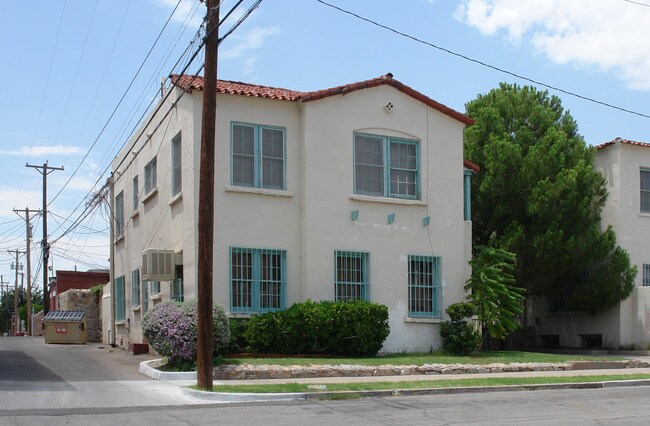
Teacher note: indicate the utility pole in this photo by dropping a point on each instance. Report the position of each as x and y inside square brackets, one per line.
[46, 170]
[206, 201]
[28, 236]
[15, 266]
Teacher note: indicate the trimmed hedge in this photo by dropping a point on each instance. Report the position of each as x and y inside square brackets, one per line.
[460, 337]
[354, 328]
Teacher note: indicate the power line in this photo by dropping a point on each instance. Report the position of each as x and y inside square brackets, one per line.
[484, 64]
[637, 3]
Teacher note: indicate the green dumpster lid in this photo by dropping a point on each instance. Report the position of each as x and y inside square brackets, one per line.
[65, 316]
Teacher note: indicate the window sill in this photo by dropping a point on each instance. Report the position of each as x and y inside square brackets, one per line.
[119, 238]
[388, 200]
[136, 308]
[241, 315]
[156, 296]
[259, 191]
[175, 199]
[149, 195]
[120, 323]
[644, 214]
[423, 320]
[135, 214]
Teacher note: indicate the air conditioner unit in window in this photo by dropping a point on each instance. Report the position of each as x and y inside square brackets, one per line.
[158, 265]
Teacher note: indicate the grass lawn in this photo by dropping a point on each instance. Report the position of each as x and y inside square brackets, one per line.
[486, 357]
[422, 384]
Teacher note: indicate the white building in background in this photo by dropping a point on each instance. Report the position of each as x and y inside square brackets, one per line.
[625, 165]
[358, 191]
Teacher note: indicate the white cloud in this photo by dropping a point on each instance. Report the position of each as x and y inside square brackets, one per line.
[43, 150]
[19, 199]
[185, 11]
[608, 35]
[254, 39]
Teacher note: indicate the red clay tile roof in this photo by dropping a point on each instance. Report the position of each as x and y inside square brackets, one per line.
[620, 140]
[469, 165]
[389, 80]
[189, 83]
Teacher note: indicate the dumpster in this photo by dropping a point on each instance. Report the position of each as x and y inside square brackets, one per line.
[65, 327]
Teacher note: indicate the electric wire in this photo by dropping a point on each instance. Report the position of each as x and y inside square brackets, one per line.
[482, 63]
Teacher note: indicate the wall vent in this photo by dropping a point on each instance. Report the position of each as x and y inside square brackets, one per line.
[158, 265]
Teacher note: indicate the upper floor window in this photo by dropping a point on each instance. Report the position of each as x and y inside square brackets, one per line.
[258, 156]
[386, 167]
[351, 275]
[425, 298]
[645, 190]
[120, 304]
[135, 287]
[646, 275]
[136, 195]
[119, 214]
[177, 175]
[150, 176]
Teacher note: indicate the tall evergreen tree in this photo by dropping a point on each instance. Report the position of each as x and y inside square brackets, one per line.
[539, 192]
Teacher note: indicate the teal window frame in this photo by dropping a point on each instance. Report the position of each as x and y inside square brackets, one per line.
[120, 302]
[119, 214]
[144, 304]
[644, 185]
[258, 157]
[151, 175]
[258, 280]
[424, 286]
[351, 275]
[155, 287]
[135, 194]
[467, 194]
[388, 168]
[135, 287]
[177, 166]
[646, 275]
[176, 290]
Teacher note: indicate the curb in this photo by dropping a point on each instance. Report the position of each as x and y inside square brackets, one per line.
[222, 397]
[146, 369]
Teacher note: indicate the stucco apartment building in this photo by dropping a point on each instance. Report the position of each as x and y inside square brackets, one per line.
[357, 191]
[626, 167]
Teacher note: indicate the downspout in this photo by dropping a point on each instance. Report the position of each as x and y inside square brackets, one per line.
[111, 186]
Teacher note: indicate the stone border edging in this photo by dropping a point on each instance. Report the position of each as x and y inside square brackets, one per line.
[248, 371]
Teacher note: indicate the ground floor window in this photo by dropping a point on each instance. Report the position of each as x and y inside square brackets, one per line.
[135, 288]
[646, 275]
[425, 297]
[257, 279]
[120, 305]
[351, 273]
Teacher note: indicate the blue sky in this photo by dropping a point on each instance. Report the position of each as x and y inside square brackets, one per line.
[67, 64]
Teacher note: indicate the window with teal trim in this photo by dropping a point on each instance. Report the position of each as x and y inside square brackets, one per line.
[155, 287]
[258, 156]
[257, 280]
[645, 190]
[351, 275]
[119, 214]
[386, 167]
[135, 287]
[646, 275]
[145, 297]
[425, 296]
[120, 303]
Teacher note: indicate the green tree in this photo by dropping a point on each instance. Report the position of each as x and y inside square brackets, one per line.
[492, 289]
[540, 193]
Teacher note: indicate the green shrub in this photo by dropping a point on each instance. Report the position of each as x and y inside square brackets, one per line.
[459, 337]
[171, 329]
[355, 328]
[237, 340]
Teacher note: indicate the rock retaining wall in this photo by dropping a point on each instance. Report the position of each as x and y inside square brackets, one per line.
[83, 300]
[248, 371]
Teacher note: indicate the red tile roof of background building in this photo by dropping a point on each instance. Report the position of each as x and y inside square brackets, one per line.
[621, 140]
[189, 83]
[469, 165]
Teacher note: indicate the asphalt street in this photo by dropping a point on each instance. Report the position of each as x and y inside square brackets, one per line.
[35, 376]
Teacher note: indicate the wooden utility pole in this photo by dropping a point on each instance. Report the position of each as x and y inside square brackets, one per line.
[206, 201]
[45, 246]
[16, 329]
[28, 237]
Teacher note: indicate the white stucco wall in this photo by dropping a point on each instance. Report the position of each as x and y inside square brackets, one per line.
[311, 218]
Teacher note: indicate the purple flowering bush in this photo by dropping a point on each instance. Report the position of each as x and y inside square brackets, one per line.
[171, 329]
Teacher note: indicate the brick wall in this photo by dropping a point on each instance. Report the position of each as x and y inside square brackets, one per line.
[83, 300]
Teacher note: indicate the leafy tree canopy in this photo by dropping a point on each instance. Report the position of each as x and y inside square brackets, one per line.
[540, 193]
